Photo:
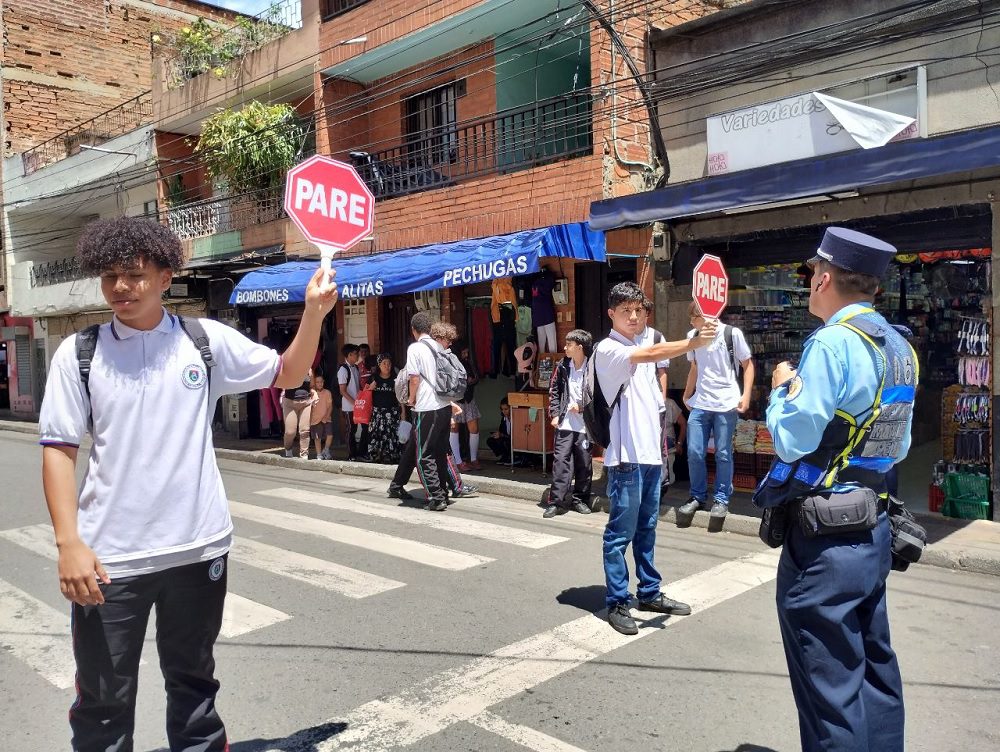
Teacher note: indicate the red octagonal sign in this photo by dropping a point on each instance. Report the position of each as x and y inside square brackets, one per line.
[710, 286]
[329, 202]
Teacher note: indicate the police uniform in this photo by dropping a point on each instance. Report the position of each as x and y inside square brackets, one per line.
[839, 426]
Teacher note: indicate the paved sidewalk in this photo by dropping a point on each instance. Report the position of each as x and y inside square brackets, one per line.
[967, 545]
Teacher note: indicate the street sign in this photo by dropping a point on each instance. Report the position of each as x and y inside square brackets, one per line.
[710, 286]
[329, 202]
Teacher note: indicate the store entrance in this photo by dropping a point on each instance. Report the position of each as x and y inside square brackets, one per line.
[593, 282]
[397, 310]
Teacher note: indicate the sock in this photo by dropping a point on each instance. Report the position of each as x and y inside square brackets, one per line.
[473, 447]
[456, 447]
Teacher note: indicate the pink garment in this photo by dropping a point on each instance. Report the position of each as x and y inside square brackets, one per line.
[270, 401]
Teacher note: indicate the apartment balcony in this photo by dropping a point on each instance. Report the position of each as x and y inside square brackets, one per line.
[216, 216]
[126, 117]
[53, 288]
[513, 140]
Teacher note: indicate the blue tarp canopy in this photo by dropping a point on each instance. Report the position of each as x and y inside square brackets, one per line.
[425, 268]
[961, 152]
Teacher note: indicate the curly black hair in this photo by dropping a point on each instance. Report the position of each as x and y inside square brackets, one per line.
[107, 243]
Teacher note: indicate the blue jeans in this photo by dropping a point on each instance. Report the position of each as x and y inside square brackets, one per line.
[701, 425]
[634, 496]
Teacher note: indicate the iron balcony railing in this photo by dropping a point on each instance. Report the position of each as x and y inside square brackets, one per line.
[55, 272]
[199, 219]
[333, 8]
[126, 117]
[518, 139]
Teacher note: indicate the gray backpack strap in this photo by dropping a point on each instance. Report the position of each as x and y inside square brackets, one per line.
[196, 332]
[86, 346]
[727, 335]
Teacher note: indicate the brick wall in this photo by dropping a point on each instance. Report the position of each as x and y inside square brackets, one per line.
[66, 61]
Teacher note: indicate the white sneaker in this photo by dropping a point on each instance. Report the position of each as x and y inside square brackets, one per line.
[289, 453]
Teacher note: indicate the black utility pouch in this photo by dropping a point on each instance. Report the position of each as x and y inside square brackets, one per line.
[855, 511]
[774, 526]
[908, 537]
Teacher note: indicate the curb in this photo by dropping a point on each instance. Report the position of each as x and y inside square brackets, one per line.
[957, 560]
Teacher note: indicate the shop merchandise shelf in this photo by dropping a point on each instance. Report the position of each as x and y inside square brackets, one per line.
[744, 464]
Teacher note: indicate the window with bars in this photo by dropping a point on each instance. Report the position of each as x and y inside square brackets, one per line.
[334, 8]
[431, 117]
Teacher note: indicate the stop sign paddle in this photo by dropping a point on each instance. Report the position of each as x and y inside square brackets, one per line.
[330, 203]
[710, 286]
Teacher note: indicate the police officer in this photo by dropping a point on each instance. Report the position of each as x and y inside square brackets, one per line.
[840, 422]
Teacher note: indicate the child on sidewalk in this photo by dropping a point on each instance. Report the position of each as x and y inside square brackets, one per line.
[321, 419]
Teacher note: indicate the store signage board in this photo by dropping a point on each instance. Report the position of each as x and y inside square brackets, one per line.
[330, 203]
[889, 107]
[710, 286]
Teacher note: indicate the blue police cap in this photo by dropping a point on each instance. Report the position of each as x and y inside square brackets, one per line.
[854, 251]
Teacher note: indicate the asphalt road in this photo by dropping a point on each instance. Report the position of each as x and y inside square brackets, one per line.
[355, 623]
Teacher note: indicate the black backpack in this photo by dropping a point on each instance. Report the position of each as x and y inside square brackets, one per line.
[596, 410]
[727, 335]
[86, 346]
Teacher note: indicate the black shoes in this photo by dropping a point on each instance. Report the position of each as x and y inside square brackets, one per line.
[437, 506]
[661, 604]
[690, 507]
[552, 510]
[620, 619]
[580, 508]
[398, 492]
[467, 490]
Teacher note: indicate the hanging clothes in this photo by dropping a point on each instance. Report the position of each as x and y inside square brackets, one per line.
[482, 339]
[503, 294]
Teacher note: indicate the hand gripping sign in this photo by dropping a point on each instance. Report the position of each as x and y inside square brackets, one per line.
[710, 286]
[330, 203]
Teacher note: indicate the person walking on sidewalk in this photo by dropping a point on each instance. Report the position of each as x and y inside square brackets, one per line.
[632, 457]
[715, 397]
[572, 469]
[427, 446]
[149, 526]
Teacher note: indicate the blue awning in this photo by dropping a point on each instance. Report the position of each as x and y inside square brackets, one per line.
[425, 268]
[819, 176]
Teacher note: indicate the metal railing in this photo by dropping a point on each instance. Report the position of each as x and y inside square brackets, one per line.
[517, 139]
[119, 120]
[333, 8]
[199, 219]
[56, 272]
[221, 47]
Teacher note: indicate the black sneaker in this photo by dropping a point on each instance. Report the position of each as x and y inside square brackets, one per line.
[437, 506]
[719, 510]
[398, 492]
[580, 507]
[661, 604]
[467, 490]
[690, 507]
[552, 510]
[620, 619]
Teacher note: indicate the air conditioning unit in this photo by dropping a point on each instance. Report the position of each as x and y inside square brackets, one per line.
[427, 300]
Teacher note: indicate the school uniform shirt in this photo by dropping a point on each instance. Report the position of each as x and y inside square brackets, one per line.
[152, 497]
[420, 361]
[573, 421]
[717, 389]
[671, 413]
[348, 374]
[647, 338]
[635, 423]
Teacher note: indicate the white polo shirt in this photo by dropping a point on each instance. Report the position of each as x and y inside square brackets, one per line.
[349, 376]
[647, 338]
[420, 361]
[573, 421]
[717, 389]
[152, 497]
[635, 423]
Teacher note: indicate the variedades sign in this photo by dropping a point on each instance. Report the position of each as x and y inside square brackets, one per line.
[433, 267]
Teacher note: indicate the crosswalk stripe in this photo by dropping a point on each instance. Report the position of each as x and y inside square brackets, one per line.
[37, 634]
[453, 524]
[464, 692]
[336, 578]
[521, 735]
[240, 615]
[391, 545]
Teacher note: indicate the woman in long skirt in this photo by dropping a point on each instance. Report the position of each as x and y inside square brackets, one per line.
[383, 428]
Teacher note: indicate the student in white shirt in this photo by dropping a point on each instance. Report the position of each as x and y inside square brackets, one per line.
[715, 397]
[633, 455]
[349, 379]
[572, 469]
[150, 524]
[427, 447]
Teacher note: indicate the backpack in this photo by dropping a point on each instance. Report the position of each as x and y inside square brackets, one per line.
[452, 380]
[727, 335]
[596, 410]
[86, 346]
[402, 386]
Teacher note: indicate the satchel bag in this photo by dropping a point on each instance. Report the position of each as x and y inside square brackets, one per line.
[363, 407]
[854, 511]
